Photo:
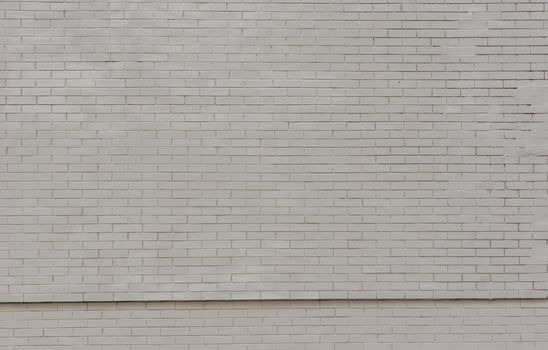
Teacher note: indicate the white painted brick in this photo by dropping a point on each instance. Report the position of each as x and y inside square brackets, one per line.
[273, 150]
[397, 324]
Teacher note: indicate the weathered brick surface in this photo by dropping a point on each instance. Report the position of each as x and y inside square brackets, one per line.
[273, 149]
[268, 325]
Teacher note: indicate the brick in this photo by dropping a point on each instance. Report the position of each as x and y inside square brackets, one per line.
[272, 150]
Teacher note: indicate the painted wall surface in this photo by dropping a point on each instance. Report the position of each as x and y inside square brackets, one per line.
[195, 150]
[268, 325]
[329, 172]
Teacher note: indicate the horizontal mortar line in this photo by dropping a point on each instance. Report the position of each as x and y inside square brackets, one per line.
[275, 300]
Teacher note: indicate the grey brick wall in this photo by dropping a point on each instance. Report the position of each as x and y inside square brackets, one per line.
[269, 325]
[273, 149]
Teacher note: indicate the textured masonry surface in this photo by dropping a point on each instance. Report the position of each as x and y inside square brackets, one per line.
[183, 150]
[163, 151]
[268, 325]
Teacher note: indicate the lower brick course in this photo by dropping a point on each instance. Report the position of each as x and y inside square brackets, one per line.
[300, 324]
